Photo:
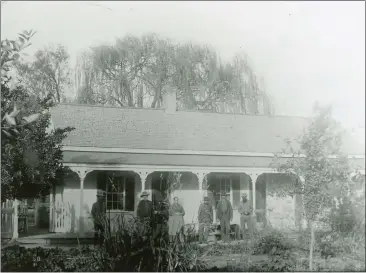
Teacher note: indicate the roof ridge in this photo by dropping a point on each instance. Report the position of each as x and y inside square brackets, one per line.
[108, 106]
[182, 111]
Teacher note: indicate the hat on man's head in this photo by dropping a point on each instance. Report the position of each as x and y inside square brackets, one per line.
[206, 198]
[225, 194]
[244, 194]
[100, 192]
[144, 193]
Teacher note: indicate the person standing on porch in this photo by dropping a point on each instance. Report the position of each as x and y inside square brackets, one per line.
[98, 213]
[224, 214]
[205, 219]
[160, 223]
[176, 220]
[245, 210]
[145, 210]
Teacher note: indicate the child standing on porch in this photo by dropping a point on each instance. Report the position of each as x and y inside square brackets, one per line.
[98, 213]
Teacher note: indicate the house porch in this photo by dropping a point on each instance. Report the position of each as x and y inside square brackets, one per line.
[194, 185]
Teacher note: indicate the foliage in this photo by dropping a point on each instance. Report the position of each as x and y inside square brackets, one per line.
[133, 247]
[326, 246]
[334, 244]
[272, 242]
[81, 259]
[324, 177]
[339, 264]
[48, 74]
[11, 52]
[31, 153]
[174, 183]
[136, 71]
[325, 171]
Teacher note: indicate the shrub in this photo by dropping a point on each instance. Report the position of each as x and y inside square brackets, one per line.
[271, 242]
[130, 248]
[280, 251]
[133, 247]
[18, 258]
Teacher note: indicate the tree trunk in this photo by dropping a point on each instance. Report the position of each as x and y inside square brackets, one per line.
[58, 93]
[312, 241]
[157, 96]
[140, 101]
[298, 216]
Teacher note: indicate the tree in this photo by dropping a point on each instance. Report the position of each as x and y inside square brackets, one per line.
[325, 172]
[10, 53]
[31, 155]
[158, 70]
[119, 67]
[139, 70]
[86, 78]
[48, 74]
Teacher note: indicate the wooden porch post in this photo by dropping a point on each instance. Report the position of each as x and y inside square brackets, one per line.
[82, 173]
[254, 177]
[143, 176]
[201, 187]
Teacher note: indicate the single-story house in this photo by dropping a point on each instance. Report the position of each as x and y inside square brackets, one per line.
[125, 151]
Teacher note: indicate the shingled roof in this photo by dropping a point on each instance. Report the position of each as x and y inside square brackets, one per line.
[115, 127]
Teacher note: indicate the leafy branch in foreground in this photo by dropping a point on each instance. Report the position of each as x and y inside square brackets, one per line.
[31, 155]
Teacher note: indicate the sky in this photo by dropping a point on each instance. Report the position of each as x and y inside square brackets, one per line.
[304, 51]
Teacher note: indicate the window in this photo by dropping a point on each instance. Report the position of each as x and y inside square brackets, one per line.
[120, 193]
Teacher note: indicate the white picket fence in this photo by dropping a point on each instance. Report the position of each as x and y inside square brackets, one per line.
[9, 219]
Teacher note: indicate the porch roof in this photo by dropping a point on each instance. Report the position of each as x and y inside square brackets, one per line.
[133, 128]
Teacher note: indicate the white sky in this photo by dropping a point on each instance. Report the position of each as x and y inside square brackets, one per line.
[305, 51]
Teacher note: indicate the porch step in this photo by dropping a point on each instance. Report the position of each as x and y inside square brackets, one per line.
[56, 239]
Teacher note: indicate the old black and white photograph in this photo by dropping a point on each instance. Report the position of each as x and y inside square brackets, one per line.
[182, 136]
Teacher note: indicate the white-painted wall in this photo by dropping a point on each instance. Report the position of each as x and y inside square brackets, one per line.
[189, 197]
[280, 210]
[72, 201]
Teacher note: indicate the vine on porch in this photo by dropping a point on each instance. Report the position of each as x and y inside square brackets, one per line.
[174, 183]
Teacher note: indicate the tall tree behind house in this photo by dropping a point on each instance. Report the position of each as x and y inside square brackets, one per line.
[49, 73]
[137, 71]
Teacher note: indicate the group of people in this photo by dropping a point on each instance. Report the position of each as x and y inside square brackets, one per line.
[167, 220]
[224, 215]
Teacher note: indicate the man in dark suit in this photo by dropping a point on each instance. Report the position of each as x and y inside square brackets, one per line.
[224, 214]
[98, 213]
[145, 210]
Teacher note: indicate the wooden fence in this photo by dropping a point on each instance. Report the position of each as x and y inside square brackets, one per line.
[9, 219]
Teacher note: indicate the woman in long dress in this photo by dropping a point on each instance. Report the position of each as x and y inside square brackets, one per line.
[176, 221]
